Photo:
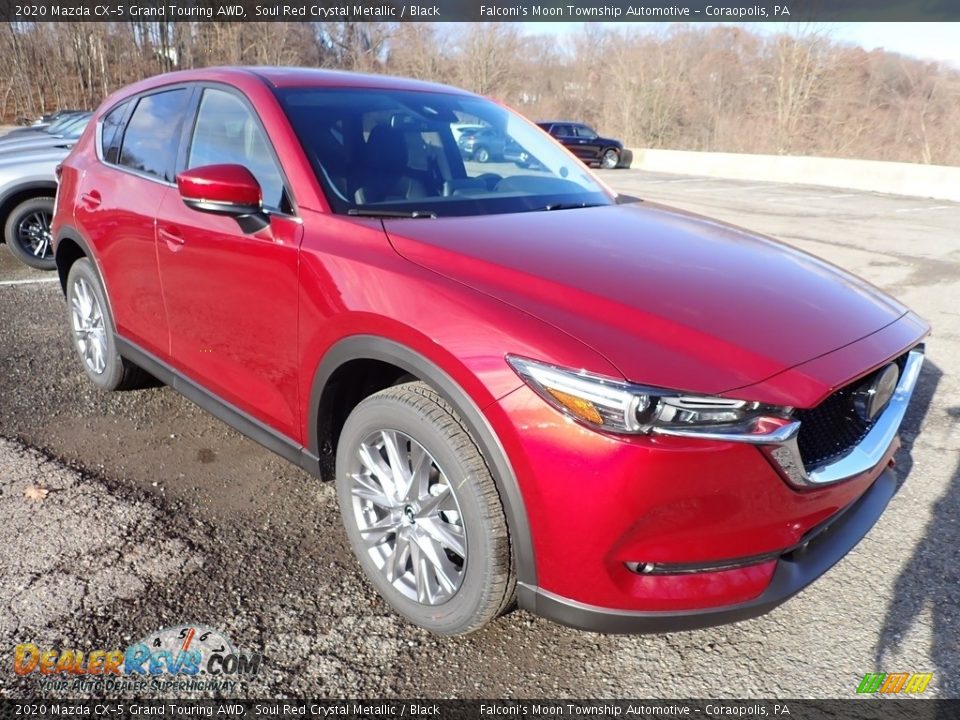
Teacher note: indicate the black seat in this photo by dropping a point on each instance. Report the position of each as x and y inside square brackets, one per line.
[385, 168]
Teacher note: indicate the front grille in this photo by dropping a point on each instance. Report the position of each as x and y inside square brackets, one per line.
[833, 428]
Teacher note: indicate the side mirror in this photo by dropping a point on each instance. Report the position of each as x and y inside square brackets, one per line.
[220, 189]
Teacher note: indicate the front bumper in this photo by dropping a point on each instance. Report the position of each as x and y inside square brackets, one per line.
[667, 532]
[820, 550]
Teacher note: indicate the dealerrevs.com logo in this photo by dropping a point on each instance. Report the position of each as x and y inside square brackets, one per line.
[185, 658]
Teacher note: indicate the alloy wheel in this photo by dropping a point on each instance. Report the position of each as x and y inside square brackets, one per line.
[408, 517]
[34, 236]
[611, 158]
[88, 325]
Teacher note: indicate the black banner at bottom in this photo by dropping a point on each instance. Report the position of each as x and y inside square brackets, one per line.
[874, 708]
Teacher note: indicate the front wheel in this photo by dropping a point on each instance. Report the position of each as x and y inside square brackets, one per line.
[422, 512]
[610, 159]
[27, 233]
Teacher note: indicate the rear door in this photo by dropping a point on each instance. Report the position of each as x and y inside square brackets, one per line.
[231, 297]
[117, 203]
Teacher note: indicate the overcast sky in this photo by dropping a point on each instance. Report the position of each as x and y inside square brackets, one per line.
[932, 41]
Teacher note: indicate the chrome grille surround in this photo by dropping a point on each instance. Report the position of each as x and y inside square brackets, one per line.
[866, 453]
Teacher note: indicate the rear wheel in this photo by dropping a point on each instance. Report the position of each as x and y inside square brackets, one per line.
[422, 512]
[481, 155]
[27, 233]
[93, 332]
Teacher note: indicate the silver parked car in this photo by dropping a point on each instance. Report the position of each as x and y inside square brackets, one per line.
[65, 135]
[53, 127]
[28, 185]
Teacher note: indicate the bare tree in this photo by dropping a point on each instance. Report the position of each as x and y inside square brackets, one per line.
[681, 86]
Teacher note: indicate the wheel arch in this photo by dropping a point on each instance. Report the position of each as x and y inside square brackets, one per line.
[27, 191]
[70, 246]
[371, 348]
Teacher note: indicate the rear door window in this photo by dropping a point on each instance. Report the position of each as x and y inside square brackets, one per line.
[151, 138]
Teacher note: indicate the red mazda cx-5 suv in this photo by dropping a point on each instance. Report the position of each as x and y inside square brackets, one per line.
[626, 417]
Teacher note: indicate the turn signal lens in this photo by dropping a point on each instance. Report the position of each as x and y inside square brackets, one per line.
[583, 409]
[602, 403]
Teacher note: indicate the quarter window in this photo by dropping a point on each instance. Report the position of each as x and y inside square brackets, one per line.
[150, 141]
[112, 132]
[227, 132]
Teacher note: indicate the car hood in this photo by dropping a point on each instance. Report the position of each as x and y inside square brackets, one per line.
[22, 132]
[27, 144]
[17, 158]
[670, 298]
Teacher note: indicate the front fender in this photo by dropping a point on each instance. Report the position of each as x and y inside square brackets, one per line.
[377, 348]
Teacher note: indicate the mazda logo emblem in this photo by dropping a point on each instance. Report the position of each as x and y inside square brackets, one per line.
[872, 397]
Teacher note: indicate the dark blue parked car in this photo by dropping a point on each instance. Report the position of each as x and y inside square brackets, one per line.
[584, 142]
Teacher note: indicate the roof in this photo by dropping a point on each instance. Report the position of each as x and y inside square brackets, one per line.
[286, 77]
[281, 77]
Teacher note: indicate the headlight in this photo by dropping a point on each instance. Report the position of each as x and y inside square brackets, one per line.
[616, 406]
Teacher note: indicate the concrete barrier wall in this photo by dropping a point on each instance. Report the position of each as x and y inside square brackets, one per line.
[932, 181]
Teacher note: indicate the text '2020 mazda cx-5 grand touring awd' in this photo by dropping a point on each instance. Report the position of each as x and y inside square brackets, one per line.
[627, 417]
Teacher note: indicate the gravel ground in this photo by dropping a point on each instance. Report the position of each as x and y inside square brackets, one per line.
[156, 515]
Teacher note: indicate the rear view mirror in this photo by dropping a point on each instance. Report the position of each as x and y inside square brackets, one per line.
[221, 189]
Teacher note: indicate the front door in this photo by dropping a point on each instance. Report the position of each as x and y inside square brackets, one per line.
[588, 143]
[231, 297]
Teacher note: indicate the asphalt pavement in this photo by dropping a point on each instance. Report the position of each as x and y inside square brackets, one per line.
[128, 512]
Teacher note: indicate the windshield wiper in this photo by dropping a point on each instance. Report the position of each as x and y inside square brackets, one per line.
[365, 212]
[568, 206]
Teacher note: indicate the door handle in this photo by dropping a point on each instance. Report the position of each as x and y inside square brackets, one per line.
[172, 237]
[91, 199]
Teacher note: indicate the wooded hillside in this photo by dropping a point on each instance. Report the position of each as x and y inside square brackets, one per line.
[695, 87]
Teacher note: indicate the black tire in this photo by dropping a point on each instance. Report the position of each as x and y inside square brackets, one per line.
[488, 579]
[117, 373]
[27, 233]
[610, 159]
[481, 154]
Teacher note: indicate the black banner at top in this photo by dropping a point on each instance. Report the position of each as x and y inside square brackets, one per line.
[394, 709]
[479, 10]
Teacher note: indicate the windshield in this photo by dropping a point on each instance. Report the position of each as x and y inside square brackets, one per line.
[60, 123]
[74, 130]
[433, 154]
